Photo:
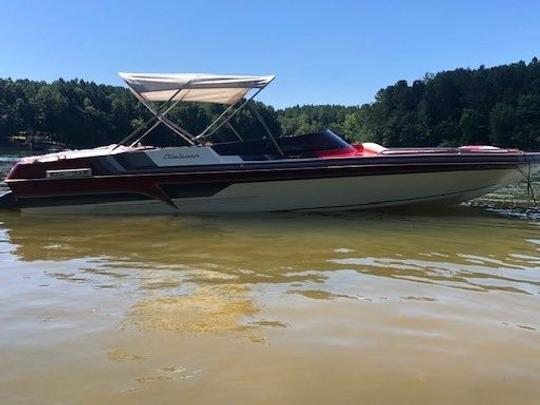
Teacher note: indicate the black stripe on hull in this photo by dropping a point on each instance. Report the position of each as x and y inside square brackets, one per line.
[182, 190]
[79, 199]
[173, 191]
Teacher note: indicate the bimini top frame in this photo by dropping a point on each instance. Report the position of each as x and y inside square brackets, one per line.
[160, 93]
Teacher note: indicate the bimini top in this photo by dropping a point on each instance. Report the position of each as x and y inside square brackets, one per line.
[193, 87]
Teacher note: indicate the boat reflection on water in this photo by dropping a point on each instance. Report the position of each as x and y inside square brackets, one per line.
[226, 309]
[457, 245]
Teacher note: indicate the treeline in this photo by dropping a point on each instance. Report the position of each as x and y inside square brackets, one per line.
[498, 105]
[85, 114]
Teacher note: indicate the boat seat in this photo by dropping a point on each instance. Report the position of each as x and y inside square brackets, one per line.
[371, 148]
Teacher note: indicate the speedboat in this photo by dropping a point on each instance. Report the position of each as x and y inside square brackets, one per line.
[317, 171]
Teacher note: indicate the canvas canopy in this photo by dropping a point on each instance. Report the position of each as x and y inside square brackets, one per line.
[169, 89]
[193, 87]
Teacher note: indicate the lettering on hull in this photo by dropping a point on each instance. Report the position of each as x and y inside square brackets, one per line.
[69, 173]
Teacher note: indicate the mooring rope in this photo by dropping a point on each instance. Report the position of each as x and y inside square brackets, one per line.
[530, 190]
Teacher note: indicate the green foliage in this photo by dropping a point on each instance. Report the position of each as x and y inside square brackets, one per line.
[499, 106]
[85, 114]
[313, 118]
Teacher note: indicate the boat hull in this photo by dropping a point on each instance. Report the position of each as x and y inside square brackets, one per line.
[310, 194]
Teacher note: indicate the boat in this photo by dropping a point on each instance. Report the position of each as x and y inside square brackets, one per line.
[310, 172]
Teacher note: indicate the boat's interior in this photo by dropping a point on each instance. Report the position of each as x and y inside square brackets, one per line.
[317, 144]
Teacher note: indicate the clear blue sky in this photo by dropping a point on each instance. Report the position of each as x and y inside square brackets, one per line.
[321, 51]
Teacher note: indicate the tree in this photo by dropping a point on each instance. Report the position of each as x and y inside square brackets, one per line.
[503, 121]
[474, 127]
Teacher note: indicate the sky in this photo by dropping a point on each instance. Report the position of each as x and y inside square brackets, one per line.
[322, 52]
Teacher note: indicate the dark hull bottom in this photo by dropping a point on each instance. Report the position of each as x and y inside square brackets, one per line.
[8, 201]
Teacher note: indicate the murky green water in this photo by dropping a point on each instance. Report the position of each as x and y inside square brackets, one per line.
[369, 307]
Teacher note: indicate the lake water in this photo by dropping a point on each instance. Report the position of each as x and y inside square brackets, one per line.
[384, 307]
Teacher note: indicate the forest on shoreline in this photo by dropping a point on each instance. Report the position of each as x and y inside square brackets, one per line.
[498, 105]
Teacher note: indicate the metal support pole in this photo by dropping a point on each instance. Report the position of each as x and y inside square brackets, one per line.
[205, 133]
[235, 131]
[258, 115]
[160, 116]
[135, 132]
[136, 141]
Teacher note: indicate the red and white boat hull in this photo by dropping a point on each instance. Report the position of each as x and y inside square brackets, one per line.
[198, 179]
[337, 193]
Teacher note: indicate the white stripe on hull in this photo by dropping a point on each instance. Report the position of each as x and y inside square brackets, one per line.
[319, 194]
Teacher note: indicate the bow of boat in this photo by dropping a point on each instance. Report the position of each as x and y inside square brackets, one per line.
[8, 201]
